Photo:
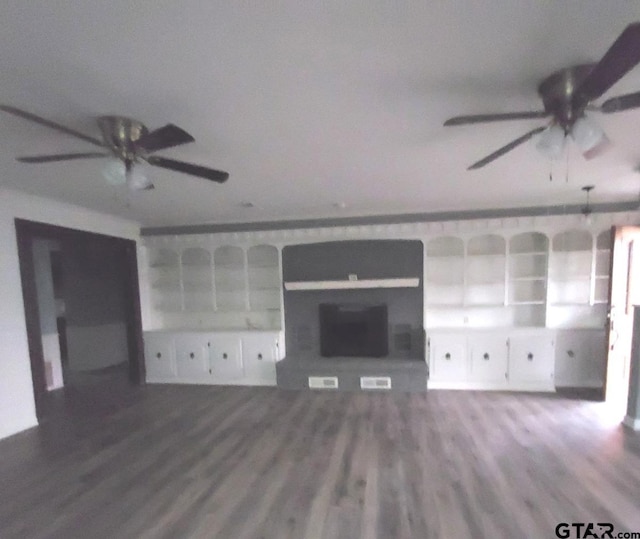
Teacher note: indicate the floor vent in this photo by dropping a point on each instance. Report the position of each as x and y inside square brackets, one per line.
[323, 382]
[375, 382]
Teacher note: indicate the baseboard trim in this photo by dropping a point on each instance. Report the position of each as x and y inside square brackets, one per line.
[488, 386]
[591, 384]
[631, 422]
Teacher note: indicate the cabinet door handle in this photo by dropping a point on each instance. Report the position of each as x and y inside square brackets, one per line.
[486, 356]
[224, 356]
[158, 355]
[192, 355]
[259, 356]
[447, 356]
[530, 356]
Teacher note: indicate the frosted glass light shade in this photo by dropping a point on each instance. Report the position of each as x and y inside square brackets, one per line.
[137, 179]
[114, 172]
[587, 134]
[551, 142]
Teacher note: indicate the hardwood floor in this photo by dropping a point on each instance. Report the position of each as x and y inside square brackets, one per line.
[226, 462]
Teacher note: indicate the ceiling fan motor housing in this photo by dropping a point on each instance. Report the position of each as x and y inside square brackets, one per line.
[121, 135]
[558, 94]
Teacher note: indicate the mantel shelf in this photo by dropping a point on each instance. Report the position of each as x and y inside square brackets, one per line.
[410, 282]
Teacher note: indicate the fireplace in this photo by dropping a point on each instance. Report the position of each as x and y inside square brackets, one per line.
[353, 330]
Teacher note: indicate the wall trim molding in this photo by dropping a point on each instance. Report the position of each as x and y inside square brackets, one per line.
[631, 422]
[390, 219]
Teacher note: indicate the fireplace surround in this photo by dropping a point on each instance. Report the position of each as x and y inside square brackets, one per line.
[373, 261]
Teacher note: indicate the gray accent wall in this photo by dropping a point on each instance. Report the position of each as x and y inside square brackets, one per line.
[368, 259]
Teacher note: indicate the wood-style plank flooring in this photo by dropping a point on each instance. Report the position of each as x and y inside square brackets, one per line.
[228, 462]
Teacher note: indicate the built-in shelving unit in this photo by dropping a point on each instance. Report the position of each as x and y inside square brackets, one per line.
[486, 282]
[444, 282]
[570, 268]
[165, 281]
[444, 286]
[227, 286]
[602, 268]
[197, 279]
[527, 278]
[230, 278]
[573, 280]
[263, 270]
[485, 271]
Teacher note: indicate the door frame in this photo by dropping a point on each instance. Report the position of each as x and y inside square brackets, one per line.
[622, 238]
[26, 232]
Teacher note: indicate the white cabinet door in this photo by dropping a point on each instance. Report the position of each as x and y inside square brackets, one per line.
[580, 357]
[531, 360]
[259, 353]
[192, 357]
[226, 358]
[158, 355]
[489, 358]
[448, 358]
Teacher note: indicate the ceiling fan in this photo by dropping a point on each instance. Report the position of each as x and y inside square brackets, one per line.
[567, 94]
[130, 143]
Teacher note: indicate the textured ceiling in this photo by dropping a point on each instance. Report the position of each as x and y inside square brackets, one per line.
[316, 109]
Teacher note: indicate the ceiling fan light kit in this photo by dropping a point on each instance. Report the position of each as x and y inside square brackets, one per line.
[587, 134]
[566, 94]
[129, 144]
[116, 173]
[551, 142]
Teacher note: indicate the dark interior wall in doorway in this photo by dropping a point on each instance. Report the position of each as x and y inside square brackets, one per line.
[94, 295]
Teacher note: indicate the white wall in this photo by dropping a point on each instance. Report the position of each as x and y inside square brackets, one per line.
[17, 407]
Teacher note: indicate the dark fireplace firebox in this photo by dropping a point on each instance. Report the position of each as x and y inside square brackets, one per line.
[353, 330]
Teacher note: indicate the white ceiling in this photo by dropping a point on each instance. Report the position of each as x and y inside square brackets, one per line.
[309, 104]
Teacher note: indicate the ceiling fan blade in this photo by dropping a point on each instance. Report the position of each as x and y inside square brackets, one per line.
[621, 102]
[482, 118]
[189, 168]
[621, 58]
[507, 148]
[52, 125]
[166, 137]
[60, 157]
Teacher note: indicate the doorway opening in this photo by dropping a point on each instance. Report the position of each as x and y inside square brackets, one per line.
[82, 309]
